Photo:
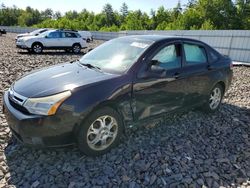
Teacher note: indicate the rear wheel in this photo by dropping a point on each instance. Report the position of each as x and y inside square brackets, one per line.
[37, 48]
[76, 48]
[214, 99]
[100, 132]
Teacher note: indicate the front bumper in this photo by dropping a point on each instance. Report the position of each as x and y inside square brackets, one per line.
[21, 45]
[42, 131]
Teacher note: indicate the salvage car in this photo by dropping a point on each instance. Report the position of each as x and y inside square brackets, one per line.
[33, 33]
[60, 39]
[114, 87]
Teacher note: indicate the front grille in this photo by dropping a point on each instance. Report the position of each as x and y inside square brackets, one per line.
[17, 101]
[18, 107]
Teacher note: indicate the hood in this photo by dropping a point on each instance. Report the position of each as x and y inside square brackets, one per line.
[29, 37]
[23, 35]
[58, 78]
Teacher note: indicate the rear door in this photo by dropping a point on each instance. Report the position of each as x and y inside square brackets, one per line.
[195, 72]
[69, 38]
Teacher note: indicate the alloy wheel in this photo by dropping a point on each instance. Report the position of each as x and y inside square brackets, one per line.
[76, 49]
[215, 98]
[102, 133]
[37, 48]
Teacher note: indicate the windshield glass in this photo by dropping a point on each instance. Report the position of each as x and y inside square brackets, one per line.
[117, 55]
[44, 34]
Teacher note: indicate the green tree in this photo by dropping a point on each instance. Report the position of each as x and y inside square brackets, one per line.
[124, 12]
[109, 13]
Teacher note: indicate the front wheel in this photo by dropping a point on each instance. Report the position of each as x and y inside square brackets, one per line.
[214, 99]
[37, 48]
[100, 132]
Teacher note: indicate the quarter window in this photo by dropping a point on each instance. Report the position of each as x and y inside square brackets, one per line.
[214, 56]
[169, 57]
[194, 54]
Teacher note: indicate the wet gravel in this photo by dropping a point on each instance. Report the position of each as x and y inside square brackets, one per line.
[190, 149]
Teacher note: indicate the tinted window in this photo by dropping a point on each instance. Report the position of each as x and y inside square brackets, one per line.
[195, 54]
[69, 35]
[169, 57]
[214, 56]
[54, 35]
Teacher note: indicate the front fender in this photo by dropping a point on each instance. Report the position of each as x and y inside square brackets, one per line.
[115, 92]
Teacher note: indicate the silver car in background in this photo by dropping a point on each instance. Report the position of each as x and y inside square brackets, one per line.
[33, 33]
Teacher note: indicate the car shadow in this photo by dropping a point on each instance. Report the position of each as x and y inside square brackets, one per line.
[51, 53]
[187, 150]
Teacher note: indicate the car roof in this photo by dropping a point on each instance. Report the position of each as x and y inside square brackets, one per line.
[158, 38]
[63, 30]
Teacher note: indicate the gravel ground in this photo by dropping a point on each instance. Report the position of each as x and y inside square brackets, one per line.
[191, 149]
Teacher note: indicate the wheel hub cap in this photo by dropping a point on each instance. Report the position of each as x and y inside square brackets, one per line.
[215, 98]
[102, 132]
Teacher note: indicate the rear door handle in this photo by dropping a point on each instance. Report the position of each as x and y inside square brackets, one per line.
[209, 67]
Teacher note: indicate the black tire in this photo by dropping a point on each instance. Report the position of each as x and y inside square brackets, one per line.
[208, 106]
[37, 48]
[76, 48]
[86, 135]
[88, 40]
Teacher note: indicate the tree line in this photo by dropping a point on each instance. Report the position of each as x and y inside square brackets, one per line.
[196, 14]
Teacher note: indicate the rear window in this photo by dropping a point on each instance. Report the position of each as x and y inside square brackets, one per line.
[195, 54]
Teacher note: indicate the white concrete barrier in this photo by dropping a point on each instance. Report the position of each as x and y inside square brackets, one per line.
[234, 43]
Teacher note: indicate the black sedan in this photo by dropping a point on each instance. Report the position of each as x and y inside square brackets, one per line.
[116, 86]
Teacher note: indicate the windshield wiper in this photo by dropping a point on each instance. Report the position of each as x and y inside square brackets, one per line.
[90, 66]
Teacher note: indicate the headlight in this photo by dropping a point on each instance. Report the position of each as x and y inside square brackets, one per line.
[46, 105]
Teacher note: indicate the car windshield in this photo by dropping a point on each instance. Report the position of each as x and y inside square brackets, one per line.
[117, 55]
[44, 34]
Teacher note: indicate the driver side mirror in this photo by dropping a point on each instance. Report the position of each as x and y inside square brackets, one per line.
[46, 36]
[153, 71]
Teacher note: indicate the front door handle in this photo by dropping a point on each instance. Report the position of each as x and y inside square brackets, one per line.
[176, 75]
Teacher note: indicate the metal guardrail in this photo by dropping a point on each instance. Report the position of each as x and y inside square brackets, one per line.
[234, 43]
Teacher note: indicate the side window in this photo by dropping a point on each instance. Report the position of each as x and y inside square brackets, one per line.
[195, 54]
[169, 56]
[70, 35]
[54, 35]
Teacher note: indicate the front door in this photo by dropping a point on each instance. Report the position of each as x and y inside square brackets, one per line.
[53, 39]
[160, 92]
